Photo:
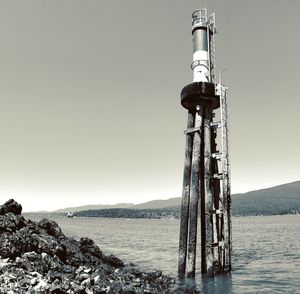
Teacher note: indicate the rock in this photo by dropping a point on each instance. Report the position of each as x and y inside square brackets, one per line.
[114, 261]
[4, 263]
[102, 290]
[97, 279]
[51, 227]
[87, 246]
[78, 289]
[60, 252]
[39, 258]
[32, 256]
[128, 290]
[137, 282]
[23, 282]
[79, 269]
[83, 277]
[153, 275]
[10, 206]
[33, 281]
[86, 282]
[11, 222]
[73, 254]
[35, 274]
[41, 285]
[12, 278]
[57, 290]
[87, 270]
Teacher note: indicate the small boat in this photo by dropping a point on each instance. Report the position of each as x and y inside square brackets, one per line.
[70, 214]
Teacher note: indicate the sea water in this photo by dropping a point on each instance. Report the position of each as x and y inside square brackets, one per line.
[266, 250]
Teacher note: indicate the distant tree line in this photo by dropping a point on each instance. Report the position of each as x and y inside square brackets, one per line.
[265, 207]
[266, 212]
[174, 212]
[162, 213]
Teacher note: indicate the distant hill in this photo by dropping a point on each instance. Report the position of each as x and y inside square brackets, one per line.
[280, 199]
[147, 205]
[92, 207]
[159, 203]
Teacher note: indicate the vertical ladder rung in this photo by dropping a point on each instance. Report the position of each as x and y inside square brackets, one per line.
[216, 125]
[219, 176]
[216, 211]
[217, 156]
[218, 244]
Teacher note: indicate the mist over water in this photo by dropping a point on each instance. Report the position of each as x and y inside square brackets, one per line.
[266, 250]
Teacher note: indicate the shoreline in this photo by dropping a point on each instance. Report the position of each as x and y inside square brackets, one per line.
[126, 218]
[36, 257]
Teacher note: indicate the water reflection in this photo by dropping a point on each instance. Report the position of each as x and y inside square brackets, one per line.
[218, 285]
[186, 285]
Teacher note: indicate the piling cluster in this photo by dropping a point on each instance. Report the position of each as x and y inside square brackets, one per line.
[206, 177]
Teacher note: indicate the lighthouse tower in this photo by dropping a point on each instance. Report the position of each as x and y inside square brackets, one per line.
[206, 197]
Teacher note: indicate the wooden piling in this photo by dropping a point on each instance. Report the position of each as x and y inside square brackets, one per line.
[207, 209]
[185, 200]
[194, 195]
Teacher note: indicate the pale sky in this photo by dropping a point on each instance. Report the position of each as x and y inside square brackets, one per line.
[90, 97]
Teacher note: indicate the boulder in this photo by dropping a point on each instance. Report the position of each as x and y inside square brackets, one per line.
[11, 206]
[11, 222]
[51, 227]
[114, 261]
[88, 246]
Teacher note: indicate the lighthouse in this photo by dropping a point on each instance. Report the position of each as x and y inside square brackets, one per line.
[205, 224]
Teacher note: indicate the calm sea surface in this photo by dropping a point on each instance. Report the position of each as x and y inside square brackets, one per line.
[266, 249]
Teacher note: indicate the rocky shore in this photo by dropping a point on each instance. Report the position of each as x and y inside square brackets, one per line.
[36, 257]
